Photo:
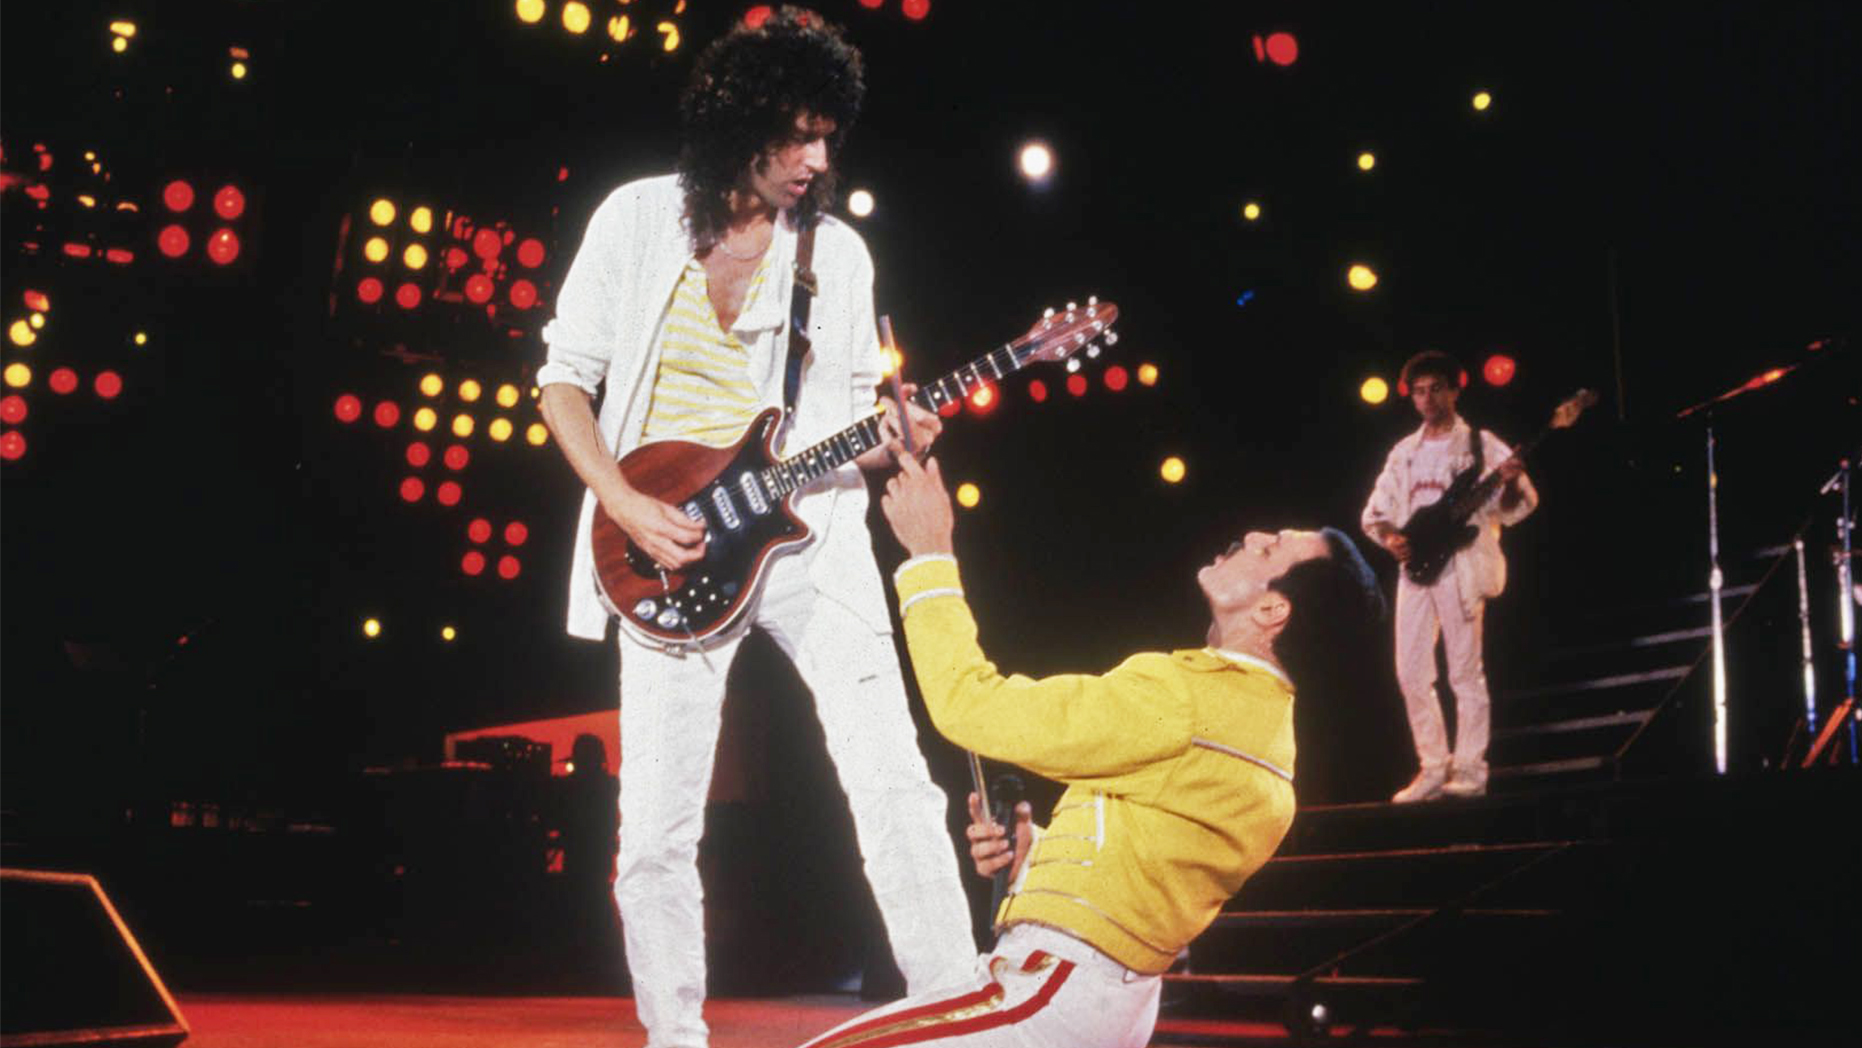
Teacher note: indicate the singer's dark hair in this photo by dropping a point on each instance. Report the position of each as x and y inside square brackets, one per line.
[1336, 605]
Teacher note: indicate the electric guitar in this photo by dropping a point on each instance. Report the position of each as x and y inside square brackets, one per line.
[744, 494]
[1440, 530]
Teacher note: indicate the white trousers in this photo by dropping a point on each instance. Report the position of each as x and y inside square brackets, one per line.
[671, 707]
[1422, 614]
[1037, 989]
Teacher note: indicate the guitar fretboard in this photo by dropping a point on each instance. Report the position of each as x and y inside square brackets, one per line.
[863, 436]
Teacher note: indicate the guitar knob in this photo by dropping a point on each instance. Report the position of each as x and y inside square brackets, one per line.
[645, 610]
[730, 590]
[670, 619]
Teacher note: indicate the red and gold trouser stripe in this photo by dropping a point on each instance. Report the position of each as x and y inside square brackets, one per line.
[969, 1013]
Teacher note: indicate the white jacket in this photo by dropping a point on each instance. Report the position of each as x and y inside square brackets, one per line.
[1480, 569]
[607, 313]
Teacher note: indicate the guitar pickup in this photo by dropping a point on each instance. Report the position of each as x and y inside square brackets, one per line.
[727, 510]
[753, 493]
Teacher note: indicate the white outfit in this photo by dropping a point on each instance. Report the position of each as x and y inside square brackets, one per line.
[1414, 475]
[1039, 988]
[823, 605]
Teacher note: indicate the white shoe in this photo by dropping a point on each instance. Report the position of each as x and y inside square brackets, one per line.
[1466, 783]
[1426, 786]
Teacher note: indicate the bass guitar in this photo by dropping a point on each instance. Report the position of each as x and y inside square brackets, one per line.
[1440, 530]
[744, 494]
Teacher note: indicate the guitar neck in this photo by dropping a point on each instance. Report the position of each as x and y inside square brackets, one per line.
[1478, 495]
[836, 451]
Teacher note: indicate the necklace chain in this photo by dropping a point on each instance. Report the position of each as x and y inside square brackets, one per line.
[751, 257]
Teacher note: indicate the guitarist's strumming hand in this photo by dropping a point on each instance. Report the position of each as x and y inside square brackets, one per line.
[661, 531]
[989, 845]
[917, 506]
[925, 428]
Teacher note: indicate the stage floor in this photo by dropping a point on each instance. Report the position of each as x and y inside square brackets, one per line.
[420, 1021]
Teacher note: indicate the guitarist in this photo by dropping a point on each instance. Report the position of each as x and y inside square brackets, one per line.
[679, 301]
[1416, 474]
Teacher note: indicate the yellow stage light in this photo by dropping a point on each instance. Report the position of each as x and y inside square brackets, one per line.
[537, 434]
[142, 338]
[469, 390]
[507, 396]
[1361, 277]
[239, 70]
[447, 633]
[381, 212]
[671, 32]
[375, 249]
[1366, 161]
[1251, 211]
[619, 29]
[21, 333]
[575, 17]
[123, 28]
[18, 375]
[1036, 161]
[1481, 101]
[530, 12]
[371, 628]
[87, 200]
[415, 256]
[500, 429]
[432, 385]
[421, 220]
[119, 45]
[1374, 390]
[1147, 374]
[425, 419]
[37, 320]
[968, 495]
[859, 203]
[1172, 470]
[462, 426]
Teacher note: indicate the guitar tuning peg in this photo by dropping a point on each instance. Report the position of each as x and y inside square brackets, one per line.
[1110, 338]
[1093, 351]
[1092, 300]
[1071, 306]
[1048, 312]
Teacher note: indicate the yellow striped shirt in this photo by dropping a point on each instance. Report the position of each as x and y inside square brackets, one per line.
[702, 392]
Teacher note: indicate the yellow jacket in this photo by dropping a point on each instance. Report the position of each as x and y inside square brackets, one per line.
[1178, 767]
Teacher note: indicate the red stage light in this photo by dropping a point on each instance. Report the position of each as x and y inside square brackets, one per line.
[229, 203]
[456, 457]
[13, 409]
[407, 295]
[419, 454]
[530, 253]
[387, 413]
[178, 195]
[456, 258]
[1282, 49]
[223, 246]
[77, 250]
[1076, 384]
[348, 407]
[173, 241]
[473, 563]
[122, 256]
[1037, 391]
[523, 294]
[479, 530]
[12, 445]
[916, 10]
[368, 289]
[412, 489]
[515, 533]
[37, 302]
[108, 384]
[508, 566]
[983, 399]
[448, 493]
[756, 16]
[1498, 370]
[479, 288]
[63, 380]
[872, 4]
[1116, 378]
[486, 244]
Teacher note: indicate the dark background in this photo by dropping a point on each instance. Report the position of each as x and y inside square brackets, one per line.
[1672, 180]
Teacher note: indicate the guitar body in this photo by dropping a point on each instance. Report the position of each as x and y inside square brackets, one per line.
[745, 528]
[1436, 533]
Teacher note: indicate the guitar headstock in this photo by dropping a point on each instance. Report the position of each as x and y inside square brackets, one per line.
[1566, 414]
[1059, 335]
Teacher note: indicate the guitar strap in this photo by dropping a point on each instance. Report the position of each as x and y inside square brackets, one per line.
[799, 301]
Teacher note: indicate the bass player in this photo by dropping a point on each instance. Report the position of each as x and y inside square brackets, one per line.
[1419, 469]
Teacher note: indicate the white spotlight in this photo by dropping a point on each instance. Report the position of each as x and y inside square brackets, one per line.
[1037, 161]
[859, 203]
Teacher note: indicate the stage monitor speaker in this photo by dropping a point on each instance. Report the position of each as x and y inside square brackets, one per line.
[70, 971]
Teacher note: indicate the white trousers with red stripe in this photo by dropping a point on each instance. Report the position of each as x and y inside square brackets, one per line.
[1037, 989]
[671, 708]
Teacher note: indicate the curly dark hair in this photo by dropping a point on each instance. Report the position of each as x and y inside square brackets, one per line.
[745, 93]
[1435, 363]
